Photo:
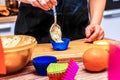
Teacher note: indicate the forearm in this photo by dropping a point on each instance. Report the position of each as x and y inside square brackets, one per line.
[43, 4]
[96, 8]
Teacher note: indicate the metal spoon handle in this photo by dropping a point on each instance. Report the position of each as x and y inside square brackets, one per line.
[55, 15]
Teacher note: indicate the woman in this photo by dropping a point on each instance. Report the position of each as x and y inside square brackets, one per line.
[36, 17]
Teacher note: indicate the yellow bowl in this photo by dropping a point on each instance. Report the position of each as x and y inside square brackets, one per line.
[18, 51]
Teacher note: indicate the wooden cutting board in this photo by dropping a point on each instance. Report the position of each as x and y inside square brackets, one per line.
[75, 50]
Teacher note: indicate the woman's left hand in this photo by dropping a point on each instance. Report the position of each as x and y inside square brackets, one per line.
[94, 32]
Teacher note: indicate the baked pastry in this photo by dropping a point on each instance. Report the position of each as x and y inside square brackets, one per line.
[3, 10]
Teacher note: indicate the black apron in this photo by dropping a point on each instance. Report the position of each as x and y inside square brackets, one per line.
[72, 17]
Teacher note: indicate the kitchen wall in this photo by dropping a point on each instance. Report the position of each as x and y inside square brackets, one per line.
[2, 1]
[7, 28]
[111, 24]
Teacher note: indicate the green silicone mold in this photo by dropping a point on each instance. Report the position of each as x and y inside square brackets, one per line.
[57, 68]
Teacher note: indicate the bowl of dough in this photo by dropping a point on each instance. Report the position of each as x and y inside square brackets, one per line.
[18, 51]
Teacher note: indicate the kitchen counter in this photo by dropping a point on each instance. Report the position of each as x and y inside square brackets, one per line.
[8, 19]
[28, 73]
[75, 50]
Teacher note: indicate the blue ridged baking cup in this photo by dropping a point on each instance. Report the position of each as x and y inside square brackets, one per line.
[60, 45]
[41, 63]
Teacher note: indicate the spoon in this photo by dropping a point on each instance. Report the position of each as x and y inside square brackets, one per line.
[55, 30]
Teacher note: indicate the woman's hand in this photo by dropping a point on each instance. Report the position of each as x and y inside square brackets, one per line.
[94, 32]
[43, 4]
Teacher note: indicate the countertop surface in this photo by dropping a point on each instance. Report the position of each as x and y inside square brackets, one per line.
[75, 50]
[29, 73]
[7, 19]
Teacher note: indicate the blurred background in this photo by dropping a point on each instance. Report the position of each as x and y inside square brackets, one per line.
[110, 22]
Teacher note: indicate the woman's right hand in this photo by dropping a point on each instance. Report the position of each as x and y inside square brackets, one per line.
[43, 4]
